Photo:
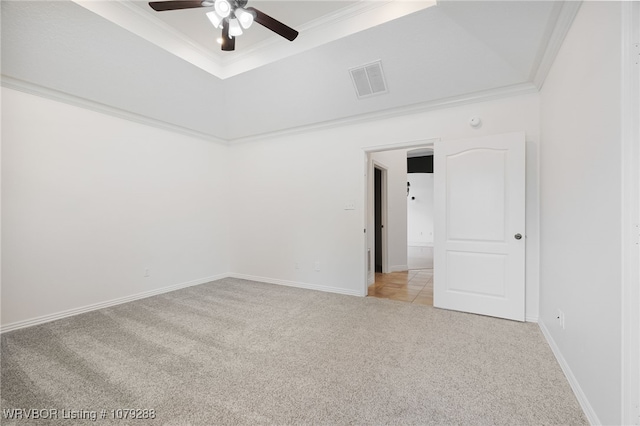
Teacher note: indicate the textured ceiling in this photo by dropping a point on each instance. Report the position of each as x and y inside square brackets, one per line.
[451, 50]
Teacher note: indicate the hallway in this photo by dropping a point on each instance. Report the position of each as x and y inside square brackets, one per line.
[414, 286]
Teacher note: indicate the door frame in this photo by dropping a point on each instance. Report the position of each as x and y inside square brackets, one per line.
[368, 199]
[630, 162]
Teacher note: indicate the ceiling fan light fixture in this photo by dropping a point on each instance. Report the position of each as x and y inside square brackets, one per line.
[244, 17]
[231, 16]
[223, 8]
[234, 28]
[215, 19]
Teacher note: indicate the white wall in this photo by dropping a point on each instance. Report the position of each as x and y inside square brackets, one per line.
[581, 213]
[420, 221]
[420, 209]
[288, 212]
[396, 224]
[289, 193]
[89, 201]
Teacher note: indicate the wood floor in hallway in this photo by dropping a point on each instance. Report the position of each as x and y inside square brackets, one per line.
[415, 286]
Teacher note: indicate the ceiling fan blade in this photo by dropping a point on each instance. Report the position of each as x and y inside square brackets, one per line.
[161, 6]
[228, 43]
[273, 24]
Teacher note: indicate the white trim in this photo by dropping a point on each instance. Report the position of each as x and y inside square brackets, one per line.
[630, 220]
[398, 268]
[484, 96]
[155, 31]
[307, 286]
[101, 305]
[531, 318]
[340, 23]
[473, 98]
[400, 145]
[573, 382]
[368, 188]
[419, 244]
[55, 95]
[1, 222]
[370, 222]
[334, 26]
[568, 12]
[369, 269]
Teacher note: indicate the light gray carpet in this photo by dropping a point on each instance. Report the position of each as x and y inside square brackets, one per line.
[241, 352]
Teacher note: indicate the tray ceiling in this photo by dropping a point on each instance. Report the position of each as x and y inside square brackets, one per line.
[189, 35]
[120, 58]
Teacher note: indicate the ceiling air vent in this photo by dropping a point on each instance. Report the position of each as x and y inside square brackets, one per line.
[368, 80]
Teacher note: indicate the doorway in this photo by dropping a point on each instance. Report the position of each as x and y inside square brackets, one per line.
[387, 204]
[379, 225]
[420, 209]
[378, 218]
[479, 240]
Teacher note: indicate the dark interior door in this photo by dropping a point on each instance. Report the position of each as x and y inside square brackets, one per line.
[378, 218]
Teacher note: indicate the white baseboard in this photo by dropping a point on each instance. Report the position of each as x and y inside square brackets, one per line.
[95, 306]
[531, 318]
[573, 382]
[307, 286]
[398, 268]
[420, 244]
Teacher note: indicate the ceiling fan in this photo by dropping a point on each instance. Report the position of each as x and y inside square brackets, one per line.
[230, 15]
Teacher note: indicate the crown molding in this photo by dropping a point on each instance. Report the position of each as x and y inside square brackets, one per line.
[341, 23]
[473, 98]
[559, 30]
[336, 16]
[37, 90]
[155, 31]
[483, 96]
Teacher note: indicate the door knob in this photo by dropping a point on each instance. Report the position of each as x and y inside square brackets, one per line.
[518, 236]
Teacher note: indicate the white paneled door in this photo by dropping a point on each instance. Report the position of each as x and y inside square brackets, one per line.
[479, 225]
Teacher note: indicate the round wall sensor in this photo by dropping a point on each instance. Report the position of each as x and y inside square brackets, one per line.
[474, 122]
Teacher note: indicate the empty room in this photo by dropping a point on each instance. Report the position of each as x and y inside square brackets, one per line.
[286, 212]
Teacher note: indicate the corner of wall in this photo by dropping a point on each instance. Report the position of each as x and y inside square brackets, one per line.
[5, 328]
[573, 382]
